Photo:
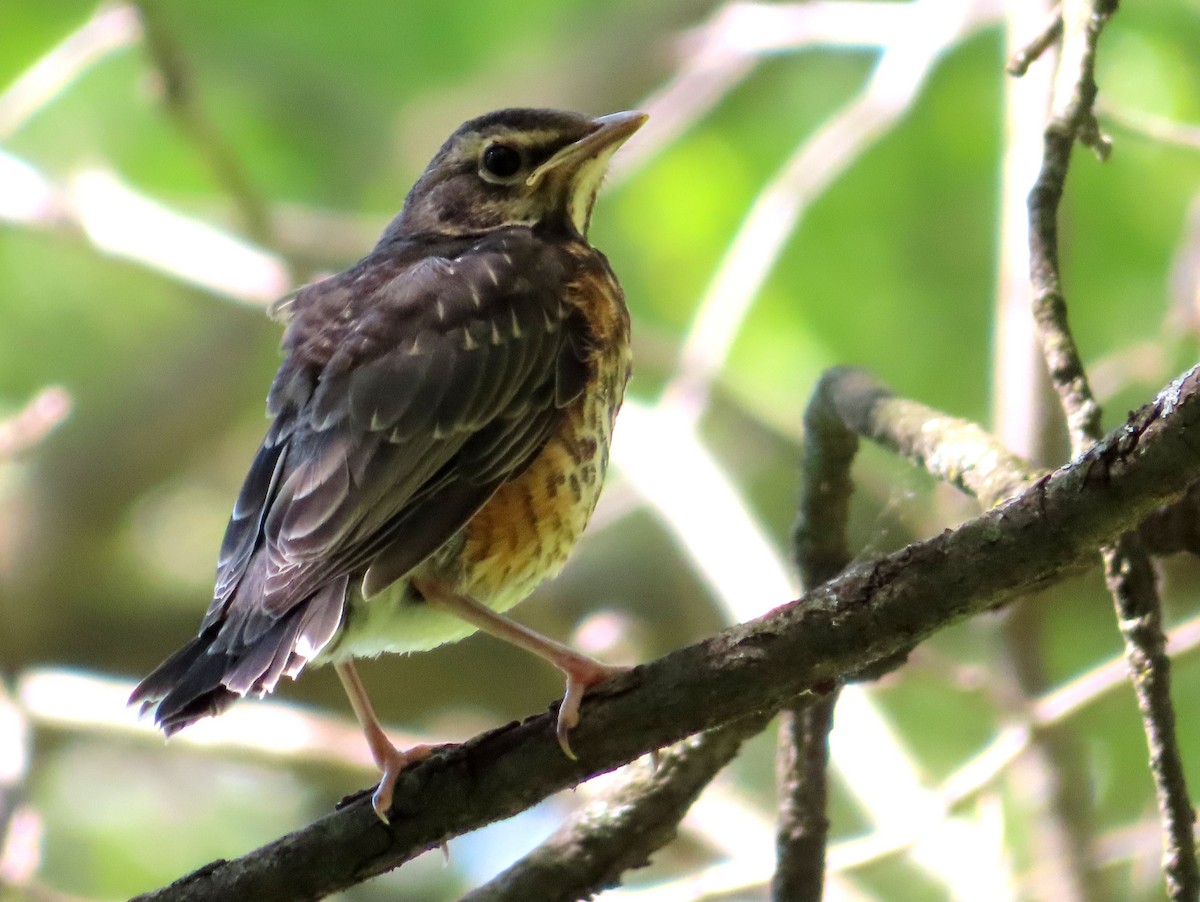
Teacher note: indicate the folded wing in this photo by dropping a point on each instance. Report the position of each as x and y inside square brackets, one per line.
[414, 384]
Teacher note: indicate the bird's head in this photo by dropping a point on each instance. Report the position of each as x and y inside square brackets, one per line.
[516, 167]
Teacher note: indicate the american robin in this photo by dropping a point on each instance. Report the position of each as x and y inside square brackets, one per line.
[441, 425]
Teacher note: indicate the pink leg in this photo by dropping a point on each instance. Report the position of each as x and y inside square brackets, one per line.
[582, 672]
[388, 758]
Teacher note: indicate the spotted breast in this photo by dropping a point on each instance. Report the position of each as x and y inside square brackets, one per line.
[524, 533]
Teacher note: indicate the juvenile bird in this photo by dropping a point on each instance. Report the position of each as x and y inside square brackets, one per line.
[440, 432]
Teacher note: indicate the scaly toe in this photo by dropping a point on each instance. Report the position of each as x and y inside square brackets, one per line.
[579, 682]
[392, 765]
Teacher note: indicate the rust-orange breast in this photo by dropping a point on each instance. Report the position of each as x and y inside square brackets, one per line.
[526, 530]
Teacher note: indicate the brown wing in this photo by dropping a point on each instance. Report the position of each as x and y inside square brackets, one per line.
[414, 384]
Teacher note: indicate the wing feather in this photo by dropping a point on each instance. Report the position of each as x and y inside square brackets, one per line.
[413, 385]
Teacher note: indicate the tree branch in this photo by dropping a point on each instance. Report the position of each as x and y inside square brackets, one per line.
[619, 831]
[953, 450]
[802, 765]
[1019, 63]
[1128, 570]
[875, 610]
[821, 550]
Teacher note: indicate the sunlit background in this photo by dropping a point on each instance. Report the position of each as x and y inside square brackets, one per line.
[820, 183]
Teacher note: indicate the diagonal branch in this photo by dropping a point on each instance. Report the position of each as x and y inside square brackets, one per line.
[873, 611]
[618, 831]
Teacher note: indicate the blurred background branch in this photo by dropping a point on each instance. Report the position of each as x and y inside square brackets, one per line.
[820, 183]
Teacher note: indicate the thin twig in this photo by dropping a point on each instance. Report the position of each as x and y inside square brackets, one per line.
[802, 763]
[820, 548]
[1128, 570]
[1019, 63]
[1131, 580]
[1072, 118]
[951, 449]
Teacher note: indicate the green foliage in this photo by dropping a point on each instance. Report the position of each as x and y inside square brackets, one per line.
[331, 110]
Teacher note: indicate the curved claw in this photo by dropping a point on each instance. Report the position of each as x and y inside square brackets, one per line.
[392, 761]
[582, 675]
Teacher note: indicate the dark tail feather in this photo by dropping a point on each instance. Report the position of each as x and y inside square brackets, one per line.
[195, 681]
[187, 686]
[214, 670]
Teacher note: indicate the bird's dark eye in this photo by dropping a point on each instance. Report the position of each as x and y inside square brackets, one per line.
[502, 161]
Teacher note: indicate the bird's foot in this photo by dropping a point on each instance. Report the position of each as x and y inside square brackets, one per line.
[391, 761]
[582, 674]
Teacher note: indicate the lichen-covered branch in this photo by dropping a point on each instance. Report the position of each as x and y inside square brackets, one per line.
[954, 450]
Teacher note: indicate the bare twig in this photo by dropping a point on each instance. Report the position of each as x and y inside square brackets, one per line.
[1131, 581]
[1072, 118]
[1127, 566]
[801, 774]
[954, 450]
[870, 613]
[820, 548]
[1019, 63]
